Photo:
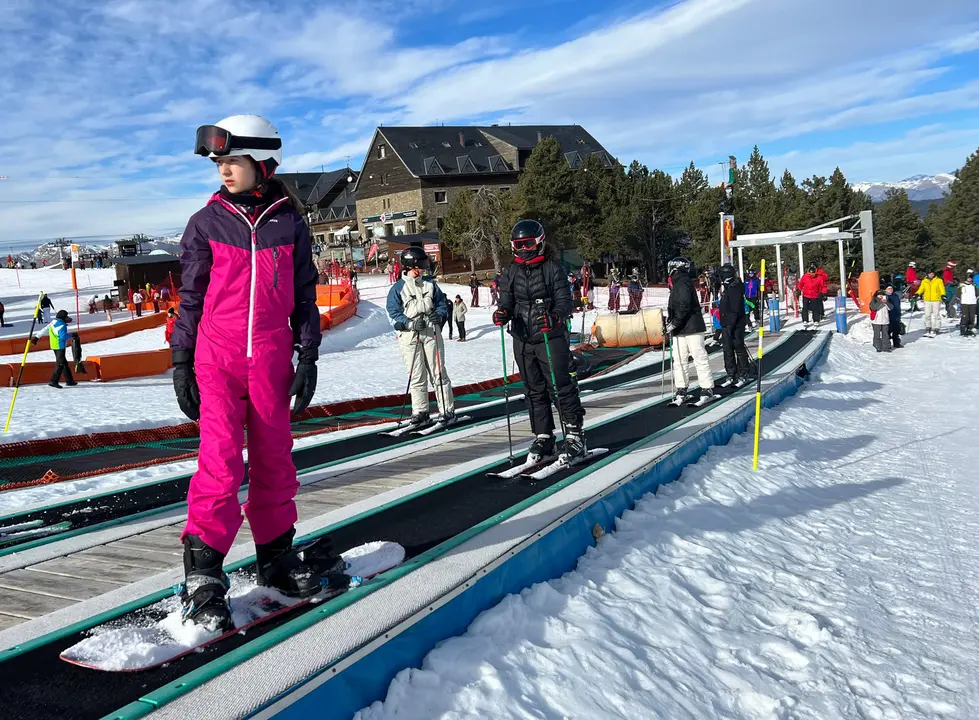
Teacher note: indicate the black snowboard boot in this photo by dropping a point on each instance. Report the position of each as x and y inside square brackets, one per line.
[541, 448]
[279, 566]
[204, 593]
[573, 449]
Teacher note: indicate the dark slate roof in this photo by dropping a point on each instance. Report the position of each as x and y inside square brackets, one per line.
[343, 206]
[311, 187]
[437, 150]
[145, 259]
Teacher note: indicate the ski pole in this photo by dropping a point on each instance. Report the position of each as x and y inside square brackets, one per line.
[662, 367]
[411, 371]
[437, 381]
[23, 361]
[550, 367]
[506, 393]
[761, 334]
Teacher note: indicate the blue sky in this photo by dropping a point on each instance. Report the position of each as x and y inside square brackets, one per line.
[101, 100]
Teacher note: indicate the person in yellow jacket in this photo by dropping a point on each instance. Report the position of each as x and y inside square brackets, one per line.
[932, 291]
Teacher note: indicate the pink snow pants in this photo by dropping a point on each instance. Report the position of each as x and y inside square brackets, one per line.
[236, 391]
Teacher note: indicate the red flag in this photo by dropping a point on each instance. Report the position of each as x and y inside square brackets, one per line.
[373, 249]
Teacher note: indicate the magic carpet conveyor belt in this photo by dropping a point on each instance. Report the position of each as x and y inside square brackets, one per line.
[29, 463]
[37, 684]
[63, 519]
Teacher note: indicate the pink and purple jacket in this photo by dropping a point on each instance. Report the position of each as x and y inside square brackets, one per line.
[248, 295]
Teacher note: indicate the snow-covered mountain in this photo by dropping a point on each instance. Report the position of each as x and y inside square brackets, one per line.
[51, 252]
[919, 187]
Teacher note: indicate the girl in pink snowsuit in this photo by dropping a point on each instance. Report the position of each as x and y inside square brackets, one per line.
[247, 302]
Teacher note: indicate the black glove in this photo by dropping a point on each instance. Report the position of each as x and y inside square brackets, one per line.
[304, 384]
[419, 323]
[435, 320]
[33, 341]
[543, 319]
[500, 317]
[185, 383]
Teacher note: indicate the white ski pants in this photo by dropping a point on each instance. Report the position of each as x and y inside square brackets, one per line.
[933, 316]
[424, 355]
[683, 347]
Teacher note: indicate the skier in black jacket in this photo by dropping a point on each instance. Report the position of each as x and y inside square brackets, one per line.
[535, 299]
[686, 327]
[734, 321]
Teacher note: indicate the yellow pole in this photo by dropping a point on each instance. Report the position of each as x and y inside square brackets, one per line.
[23, 360]
[761, 332]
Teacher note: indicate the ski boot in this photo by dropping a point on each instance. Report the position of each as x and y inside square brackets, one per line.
[204, 592]
[680, 397]
[446, 419]
[706, 395]
[541, 449]
[728, 381]
[573, 449]
[418, 420]
[279, 566]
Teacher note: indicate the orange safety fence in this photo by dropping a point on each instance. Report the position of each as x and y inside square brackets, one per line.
[151, 362]
[15, 346]
[131, 365]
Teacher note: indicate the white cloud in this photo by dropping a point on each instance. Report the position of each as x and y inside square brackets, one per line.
[927, 150]
[110, 95]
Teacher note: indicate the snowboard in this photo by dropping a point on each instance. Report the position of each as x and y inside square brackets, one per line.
[157, 641]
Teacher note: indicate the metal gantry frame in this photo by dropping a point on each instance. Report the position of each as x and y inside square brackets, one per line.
[851, 227]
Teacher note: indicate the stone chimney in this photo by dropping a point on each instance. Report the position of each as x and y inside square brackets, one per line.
[462, 139]
[540, 136]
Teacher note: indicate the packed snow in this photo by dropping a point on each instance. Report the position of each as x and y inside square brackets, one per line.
[838, 581]
[150, 642]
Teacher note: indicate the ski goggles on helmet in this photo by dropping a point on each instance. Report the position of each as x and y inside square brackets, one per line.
[214, 140]
[528, 243]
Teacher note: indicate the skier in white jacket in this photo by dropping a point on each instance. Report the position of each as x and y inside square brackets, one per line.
[418, 309]
[966, 294]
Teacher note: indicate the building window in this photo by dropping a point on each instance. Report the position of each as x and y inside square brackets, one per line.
[439, 222]
[381, 152]
[440, 197]
[412, 227]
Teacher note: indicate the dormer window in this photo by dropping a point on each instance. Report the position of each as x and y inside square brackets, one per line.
[381, 151]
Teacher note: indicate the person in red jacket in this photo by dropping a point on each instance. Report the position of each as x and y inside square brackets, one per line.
[948, 276]
[812, 285]
[911, 276]
[171, 321]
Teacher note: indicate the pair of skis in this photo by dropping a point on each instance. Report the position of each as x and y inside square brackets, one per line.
[693, 400]
[540, 468]
[427, 428]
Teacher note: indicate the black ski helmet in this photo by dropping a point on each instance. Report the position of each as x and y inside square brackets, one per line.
[679, 265]
[727, 273]
[527, 241]
[414, 257]
[812, 267]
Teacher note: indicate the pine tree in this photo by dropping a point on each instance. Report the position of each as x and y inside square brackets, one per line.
[547, 191]
[760, 188]
[899, 233]
[958, 225]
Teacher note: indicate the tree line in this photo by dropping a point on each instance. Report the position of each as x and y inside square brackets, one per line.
[636, 217]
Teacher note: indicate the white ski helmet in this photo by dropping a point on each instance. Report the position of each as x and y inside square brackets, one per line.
[249, 135]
